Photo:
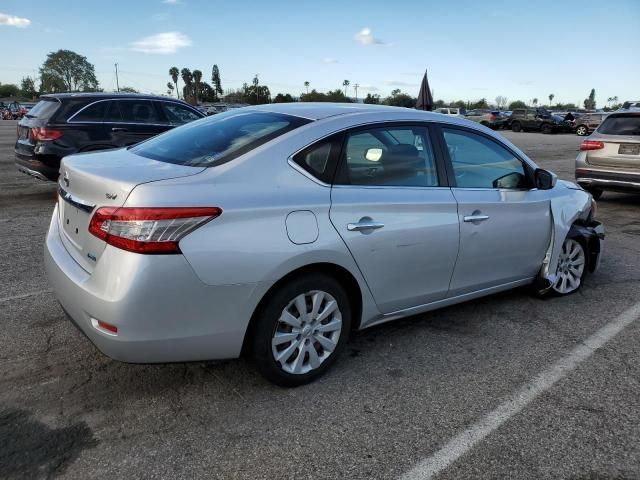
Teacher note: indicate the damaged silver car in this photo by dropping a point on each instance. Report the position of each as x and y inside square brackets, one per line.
[275, 231]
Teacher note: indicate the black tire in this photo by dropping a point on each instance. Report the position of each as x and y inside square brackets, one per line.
[596, 193]
[582, 130]
[546, 128]
[516, 127]
[268, 321]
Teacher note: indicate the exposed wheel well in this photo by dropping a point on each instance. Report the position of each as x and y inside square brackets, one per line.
[341, 274]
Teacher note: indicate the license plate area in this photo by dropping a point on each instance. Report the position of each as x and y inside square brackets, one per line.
[74, 223]
[629, 149]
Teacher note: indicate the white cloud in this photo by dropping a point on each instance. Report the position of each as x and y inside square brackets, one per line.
[365, 37]
[397, 83]
[13, 21]
[162, 43]
[329, 60]
[369, 88]
[171, 2]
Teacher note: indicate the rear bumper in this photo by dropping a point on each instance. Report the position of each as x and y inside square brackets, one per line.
[36, 168]
[608, 180]
[162, 311]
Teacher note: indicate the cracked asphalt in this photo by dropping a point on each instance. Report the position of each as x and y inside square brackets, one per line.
[400, 392]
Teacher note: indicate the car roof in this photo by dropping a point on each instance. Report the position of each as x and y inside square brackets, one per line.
[107, 95]
[320, 110]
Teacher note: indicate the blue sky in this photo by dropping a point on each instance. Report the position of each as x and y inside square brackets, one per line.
[472, 49]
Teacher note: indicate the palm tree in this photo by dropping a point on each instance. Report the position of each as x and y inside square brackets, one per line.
[187, 78]
[551, 95]
[345, 84]
[306, 84]
[535, 102]
[170, 88]
[197, 77]
[174, 72]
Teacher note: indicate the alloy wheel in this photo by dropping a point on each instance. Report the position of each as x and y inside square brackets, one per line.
[307, 332]
[571, 264]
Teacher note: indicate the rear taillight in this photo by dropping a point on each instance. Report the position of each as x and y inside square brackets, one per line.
[149, 230]
[45, 134]
[591, 145]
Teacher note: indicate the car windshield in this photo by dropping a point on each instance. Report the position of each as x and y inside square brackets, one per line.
[621, 125]
[216, 140]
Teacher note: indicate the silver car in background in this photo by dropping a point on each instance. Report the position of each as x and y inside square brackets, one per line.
[609, 159]
[275, 231]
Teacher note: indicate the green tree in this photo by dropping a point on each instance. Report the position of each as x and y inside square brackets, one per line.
[283, 98]
[9, 90]
[551, 96]
[68, 70]
[216, 83]
[187, 90]
[482, 103]
[459, 104]
[535, 102]
[590, 103]
[256, 94]
[128, 90]
[313, 96]
[197, 84]
[174, 73]
[501, 102]
[517, 104]
[170, 88]
[28, 88]
[399, 99]
[306, 85]
[372, 98]
[345, 84]
[337, 96]
[439, 104]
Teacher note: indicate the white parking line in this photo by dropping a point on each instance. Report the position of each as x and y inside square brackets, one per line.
[466, 440]
[24, 295]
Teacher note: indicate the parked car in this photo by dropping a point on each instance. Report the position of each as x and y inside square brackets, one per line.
[630, 105]
[588, 122]
[456, 112]
[256, 231]
[489, 118]
[68, 123]
[609, 159]
[529, 119]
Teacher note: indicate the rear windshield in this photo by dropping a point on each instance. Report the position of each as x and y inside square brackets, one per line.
[219, 139]
[44, 109]
[621, 125]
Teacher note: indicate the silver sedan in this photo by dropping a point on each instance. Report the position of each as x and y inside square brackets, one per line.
[276, 231]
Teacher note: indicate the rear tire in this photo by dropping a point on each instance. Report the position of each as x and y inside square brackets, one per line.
[301, 330]
[582, 130]
[546, 128]
[516, 127]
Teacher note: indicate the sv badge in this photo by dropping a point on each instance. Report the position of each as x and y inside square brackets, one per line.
[111, 196]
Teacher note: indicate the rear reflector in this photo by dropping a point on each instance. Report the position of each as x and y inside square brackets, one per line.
[45, 134]
[149, 230]
[107, 326]
[591, 145]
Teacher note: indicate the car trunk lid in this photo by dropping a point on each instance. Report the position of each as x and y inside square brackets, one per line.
[103, 179]
[619, 151]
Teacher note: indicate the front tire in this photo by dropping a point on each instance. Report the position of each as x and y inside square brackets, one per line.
[301, 330]
[572, 267]
[516, 127]
[582, 131]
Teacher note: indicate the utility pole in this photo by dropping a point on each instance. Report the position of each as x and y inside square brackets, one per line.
[117, 81]
[356, 89]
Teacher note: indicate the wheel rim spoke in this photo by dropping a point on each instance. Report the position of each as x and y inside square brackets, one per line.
[332, 326]
[290, 320]
[314, 360]
[301, 306]
[280, 338]
[325, 342]
[328, 310]
[285, 354]
[316, 301]
[299, 360]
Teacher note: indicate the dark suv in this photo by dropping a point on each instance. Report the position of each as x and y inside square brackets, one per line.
[68, 123]
[527, 119]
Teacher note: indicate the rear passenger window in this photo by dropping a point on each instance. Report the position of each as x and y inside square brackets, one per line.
[397, 156]
[91, 113]
[178, 114]
[138, 111]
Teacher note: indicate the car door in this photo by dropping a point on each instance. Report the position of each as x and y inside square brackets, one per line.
[505, 224]
[133, 120]
[390, 206]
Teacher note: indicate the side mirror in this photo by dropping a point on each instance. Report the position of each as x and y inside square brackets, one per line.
[373, 154]
[544, 179]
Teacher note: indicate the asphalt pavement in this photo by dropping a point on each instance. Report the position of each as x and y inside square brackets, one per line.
[400, 395]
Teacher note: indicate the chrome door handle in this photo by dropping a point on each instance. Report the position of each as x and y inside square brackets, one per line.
[357, 227]
[475, 218]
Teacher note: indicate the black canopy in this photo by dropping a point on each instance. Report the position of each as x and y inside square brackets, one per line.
[425, 100]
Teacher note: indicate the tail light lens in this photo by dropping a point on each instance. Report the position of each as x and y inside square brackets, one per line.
[591, 145]
[149, 230]
[45, 134]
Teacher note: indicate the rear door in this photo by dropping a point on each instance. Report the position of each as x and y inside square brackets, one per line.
[133, 120]
[390, 205]
[505, 225]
